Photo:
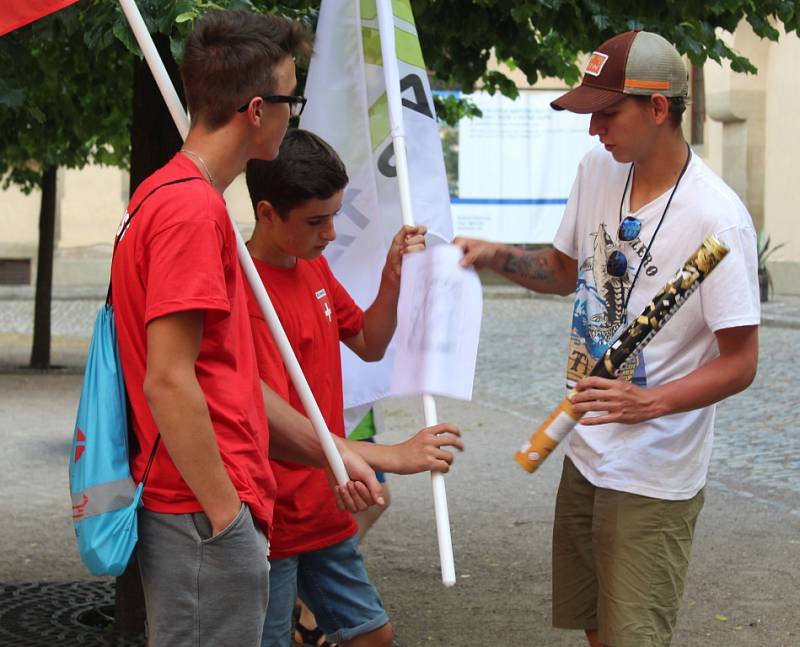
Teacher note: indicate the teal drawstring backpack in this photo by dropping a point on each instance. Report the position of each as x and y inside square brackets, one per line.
[105, 498]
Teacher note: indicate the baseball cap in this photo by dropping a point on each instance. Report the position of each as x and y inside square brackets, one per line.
[635, 62]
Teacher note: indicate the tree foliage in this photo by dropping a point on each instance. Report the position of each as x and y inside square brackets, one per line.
[65, 85]
[62, 103]
[66, 82]
[544, 37]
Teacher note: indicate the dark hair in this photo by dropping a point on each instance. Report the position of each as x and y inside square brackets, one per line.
[307, 167]
[230, 58]
[676, 107]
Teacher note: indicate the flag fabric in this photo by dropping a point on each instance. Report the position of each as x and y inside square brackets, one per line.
[18, 13]
[347, 106]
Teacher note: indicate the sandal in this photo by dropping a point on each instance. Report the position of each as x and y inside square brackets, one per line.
[310, 637]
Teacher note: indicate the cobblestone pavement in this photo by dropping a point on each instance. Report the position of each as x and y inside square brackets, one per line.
[69, 317]
[743, 583]
[757, 444]
[523, 341]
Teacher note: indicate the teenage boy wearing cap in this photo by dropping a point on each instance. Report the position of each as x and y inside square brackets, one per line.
[634, 471]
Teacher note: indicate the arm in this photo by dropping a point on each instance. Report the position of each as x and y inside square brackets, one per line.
[421, 453]
[180, 412]
[543, 270]
[380, 319]
[729, 373]
[292, 438]
[291, 435]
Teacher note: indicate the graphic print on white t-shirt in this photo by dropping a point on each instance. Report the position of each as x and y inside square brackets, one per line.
[598, 316]
[665, 457]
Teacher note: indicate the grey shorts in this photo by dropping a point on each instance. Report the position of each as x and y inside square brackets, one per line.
[199, 591]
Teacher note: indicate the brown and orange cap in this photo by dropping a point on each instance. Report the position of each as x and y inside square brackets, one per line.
[635, 62]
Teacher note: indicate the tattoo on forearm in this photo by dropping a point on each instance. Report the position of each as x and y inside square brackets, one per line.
[528, 266]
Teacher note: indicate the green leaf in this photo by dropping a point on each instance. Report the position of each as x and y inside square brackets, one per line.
[186, 17]
[450, 109]
[123, 33]
[38, 115]
[176, 48]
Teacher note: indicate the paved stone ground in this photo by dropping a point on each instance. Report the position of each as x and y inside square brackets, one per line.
[757, 441]
[743, 588]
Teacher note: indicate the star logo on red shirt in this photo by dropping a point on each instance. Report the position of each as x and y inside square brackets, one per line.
[322, 296]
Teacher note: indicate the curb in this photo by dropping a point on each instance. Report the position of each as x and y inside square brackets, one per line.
[768, 320]
[28, 293]
[787, 323]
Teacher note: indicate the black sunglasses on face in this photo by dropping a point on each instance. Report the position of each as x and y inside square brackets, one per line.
[296, 103]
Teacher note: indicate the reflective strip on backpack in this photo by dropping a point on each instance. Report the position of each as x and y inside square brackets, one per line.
[102, 498]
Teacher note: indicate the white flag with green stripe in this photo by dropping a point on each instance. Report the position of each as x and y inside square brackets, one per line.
[347, 107]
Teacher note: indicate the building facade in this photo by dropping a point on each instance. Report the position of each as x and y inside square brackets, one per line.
[745, 126]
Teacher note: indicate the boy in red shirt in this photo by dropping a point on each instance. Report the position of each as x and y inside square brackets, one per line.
[313, 545]
[187, 351]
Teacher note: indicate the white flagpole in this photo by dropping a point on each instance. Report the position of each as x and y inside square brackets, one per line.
[164, 83]
[392, 77]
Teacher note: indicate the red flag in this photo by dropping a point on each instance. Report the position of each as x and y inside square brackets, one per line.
[16, 13]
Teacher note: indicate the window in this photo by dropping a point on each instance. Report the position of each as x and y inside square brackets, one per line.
[15, 271]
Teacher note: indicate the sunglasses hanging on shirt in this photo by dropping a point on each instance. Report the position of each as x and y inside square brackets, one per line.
[629, 228]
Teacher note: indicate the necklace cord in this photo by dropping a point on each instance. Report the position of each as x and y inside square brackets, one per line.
[660, 221]
[186, 151]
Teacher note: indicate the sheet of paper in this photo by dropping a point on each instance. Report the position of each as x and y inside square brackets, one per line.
[438, 325]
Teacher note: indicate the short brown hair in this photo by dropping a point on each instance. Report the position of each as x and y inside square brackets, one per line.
[676, 107]
[230, 57]
[306, 168]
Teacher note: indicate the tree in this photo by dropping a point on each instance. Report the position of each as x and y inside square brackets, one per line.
[57, 115]
[74, 90]
[544, 37]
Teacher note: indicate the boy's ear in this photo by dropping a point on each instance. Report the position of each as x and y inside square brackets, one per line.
[265, 211]
[660, 108]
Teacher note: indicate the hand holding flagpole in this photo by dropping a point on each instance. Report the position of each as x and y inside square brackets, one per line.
[175, 108]
[392, 77]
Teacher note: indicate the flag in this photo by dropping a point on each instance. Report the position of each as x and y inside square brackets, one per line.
[347, 107]
[17, 13]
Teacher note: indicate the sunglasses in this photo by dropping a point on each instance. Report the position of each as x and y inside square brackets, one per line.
[629, 229]
[296, 103]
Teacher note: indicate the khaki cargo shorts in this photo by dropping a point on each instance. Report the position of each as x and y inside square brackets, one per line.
[619, 561]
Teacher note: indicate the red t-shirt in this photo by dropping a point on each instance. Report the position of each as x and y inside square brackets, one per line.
[316, 312]
[179, 253]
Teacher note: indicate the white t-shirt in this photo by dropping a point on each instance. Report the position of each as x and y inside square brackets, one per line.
[665, 458]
